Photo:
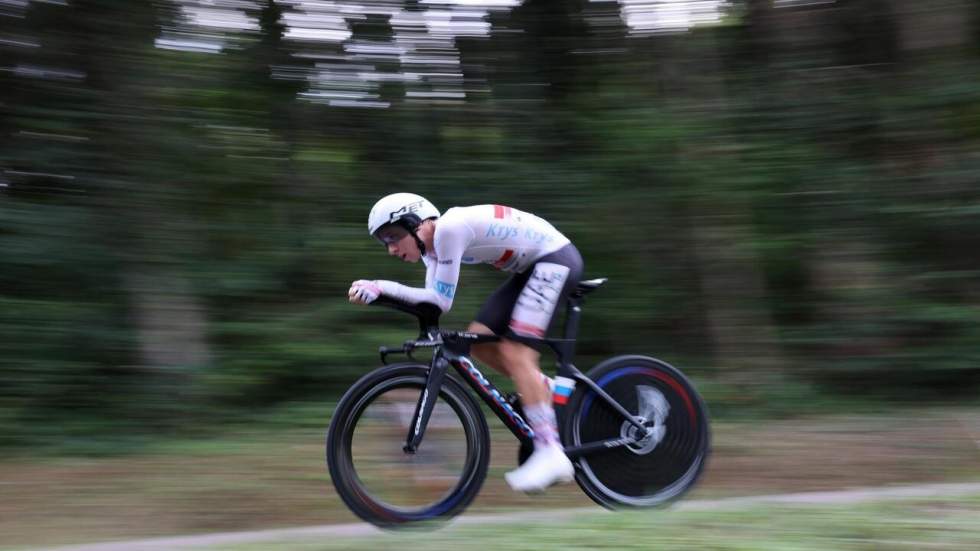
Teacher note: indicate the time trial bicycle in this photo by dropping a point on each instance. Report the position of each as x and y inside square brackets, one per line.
[635, 428]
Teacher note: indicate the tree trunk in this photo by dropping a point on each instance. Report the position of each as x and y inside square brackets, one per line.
[170, 321]
[739, 324]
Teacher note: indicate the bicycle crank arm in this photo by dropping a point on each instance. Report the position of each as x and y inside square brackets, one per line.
[575, 452]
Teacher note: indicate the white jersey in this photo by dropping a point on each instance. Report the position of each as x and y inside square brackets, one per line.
[508, 239]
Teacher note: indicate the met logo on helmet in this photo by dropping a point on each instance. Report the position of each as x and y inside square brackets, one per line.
[406, 209]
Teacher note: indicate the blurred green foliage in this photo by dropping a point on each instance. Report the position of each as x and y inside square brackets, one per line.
[787, 197]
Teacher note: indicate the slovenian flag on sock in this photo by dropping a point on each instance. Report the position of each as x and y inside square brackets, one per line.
[563, 389]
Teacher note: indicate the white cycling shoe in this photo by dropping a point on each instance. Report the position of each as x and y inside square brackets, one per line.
[546, 466]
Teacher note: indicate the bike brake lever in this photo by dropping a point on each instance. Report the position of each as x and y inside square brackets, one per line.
[407, 349]
[384, 351]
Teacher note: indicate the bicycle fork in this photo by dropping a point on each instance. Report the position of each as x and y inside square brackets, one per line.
[427, 402]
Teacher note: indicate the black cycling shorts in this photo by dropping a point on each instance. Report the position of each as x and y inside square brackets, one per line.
[527, 303]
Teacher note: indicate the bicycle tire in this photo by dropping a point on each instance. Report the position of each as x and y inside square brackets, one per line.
[362, 481]
[661, 467]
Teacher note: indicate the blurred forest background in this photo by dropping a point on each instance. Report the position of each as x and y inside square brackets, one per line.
[783, 193]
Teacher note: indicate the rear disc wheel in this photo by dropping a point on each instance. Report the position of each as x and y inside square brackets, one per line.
[665, 460]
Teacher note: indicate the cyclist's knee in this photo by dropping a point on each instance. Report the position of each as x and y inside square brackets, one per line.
[488, 352]
[477, 327]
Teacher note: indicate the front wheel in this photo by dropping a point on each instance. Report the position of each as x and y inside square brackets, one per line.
[376, 478]
[663, 464]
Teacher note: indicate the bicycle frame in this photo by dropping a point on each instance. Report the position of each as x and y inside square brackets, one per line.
[453, 350]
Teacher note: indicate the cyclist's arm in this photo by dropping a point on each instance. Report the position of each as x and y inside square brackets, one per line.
[415, 295]
[441, 276]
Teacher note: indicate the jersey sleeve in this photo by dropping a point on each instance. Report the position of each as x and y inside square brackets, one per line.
[415, 295]
[450, 244]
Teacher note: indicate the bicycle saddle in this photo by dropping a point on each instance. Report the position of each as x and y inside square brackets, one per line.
[589, 285]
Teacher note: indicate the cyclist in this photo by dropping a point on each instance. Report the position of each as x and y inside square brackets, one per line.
[544, 267]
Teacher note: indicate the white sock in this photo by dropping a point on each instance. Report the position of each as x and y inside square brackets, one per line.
[543, 422]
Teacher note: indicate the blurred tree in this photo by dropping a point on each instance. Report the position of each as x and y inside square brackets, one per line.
[790, 187]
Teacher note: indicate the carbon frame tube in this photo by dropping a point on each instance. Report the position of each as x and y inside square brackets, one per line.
[565, 349]
[426, 403]
[611, 401]
[493, 398]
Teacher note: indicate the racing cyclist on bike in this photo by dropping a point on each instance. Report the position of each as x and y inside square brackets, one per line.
[544, 268]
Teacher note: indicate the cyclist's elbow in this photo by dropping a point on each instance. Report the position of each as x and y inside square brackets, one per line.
[444, 304]
[442, 296]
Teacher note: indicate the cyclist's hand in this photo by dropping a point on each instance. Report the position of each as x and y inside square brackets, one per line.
[363, 291]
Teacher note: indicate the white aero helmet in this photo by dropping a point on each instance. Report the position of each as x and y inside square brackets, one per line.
[405, 210]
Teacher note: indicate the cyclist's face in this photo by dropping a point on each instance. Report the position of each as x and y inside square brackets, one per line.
[399, 243]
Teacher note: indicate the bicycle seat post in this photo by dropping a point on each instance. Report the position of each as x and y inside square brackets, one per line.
[573, 312]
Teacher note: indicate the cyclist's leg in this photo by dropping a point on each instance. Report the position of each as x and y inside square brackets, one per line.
[520, 363]
[549, 281]
[492, 319]
[488, 352]
[497, 315]
[522, 366]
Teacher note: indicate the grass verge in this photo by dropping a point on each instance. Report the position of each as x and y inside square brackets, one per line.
[920, 524]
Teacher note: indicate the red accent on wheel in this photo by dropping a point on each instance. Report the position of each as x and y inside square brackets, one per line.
[680, 390]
